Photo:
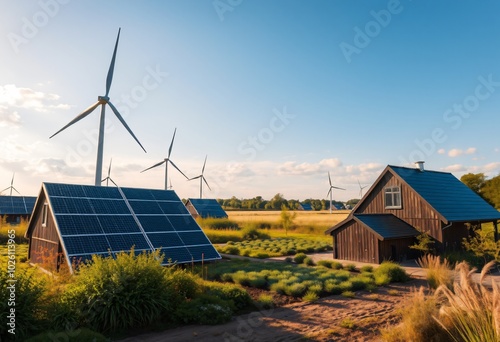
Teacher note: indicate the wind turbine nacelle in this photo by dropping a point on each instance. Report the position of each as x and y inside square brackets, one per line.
[103, 99]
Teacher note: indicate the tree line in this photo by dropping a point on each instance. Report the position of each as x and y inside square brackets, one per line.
[278, 201]
[488, 189]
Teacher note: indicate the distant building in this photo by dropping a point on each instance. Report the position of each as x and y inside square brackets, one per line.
[305, 206]
[205, 208]
[15, 208]
[402, 203]
[70, 223]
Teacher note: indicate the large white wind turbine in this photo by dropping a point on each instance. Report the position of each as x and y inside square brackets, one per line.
[166, 161]
[330, 191]
[102, 101]
[202, 178]
[11, 187]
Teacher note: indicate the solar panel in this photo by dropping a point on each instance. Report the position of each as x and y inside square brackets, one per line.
[208, 208]
[16, 205]
[105, 221]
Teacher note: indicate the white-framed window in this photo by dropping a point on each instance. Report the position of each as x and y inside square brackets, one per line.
[392, 196]
[45, 214]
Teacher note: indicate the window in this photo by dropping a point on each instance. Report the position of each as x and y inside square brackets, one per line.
[393, 197]
[45, 213]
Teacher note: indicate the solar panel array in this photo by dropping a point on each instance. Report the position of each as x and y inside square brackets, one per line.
[16, 205]
[208, 208]
[108, 220]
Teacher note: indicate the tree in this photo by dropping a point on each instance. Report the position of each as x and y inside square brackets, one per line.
[482, 243]
[475, 181]
[424, 242]
[491, 191]
[287, 218]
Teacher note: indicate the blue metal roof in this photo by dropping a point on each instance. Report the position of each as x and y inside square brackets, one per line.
[16, 205]
[387, 226]
[306, 206]
[451, 198]
[208, 208]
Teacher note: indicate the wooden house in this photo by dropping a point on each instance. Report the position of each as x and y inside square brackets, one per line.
[71, 223]
[205, 208]
[402, 203]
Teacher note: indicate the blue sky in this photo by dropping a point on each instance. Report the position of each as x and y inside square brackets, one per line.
[276, 93]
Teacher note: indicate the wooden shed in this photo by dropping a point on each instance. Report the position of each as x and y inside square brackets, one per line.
[428, 201]
[204, 208]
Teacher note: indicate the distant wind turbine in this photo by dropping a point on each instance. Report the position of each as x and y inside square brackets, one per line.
[330, 191]
[102, 101]
[202, 178]
[108, 178]
[361, 189]
[166, 161]
[11, 187]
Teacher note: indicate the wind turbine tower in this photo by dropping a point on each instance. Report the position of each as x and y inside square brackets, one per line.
[202, 178]
[330, 191]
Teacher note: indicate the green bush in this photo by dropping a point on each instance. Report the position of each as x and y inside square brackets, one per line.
[310, 296]
[348, 294]
[231, 250]
[350, 267]
[366, 268]
[77, 335]
[182, 283]
[265, 301]
[126, 292]
[299, 258]
[296, 290]
[393, 271]
[325, 263]
[252, 233]
[308, 261]
[238, 296]
[29, 292]
[204, 310]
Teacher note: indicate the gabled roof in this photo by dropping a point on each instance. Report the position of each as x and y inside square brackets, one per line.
[451, 198]
[107, 220]
[207, 207]
[16, 205]
[386, 226]
[306, 206]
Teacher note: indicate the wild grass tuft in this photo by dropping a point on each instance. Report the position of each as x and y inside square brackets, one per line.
[438, 273]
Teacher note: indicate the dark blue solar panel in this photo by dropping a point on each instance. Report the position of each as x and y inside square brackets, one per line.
[165, 195]
[182, 223]
[206, 252]
[62, 205]
[176, 255]
[145, 207]
[109, 206]
[102, 192]
[118, 224]
[157, 223]
[143, 194]
[124, 242]
[164, 240]
[194, 238]
[173, 208]
[78, 224]
[86, 244]
[18, 205]
[67, 190]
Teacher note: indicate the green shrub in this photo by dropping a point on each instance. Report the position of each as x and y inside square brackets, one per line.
[128, 291]
[78, 335]
[299, 258]
[325, 263]
[337, 265]
[258, 282]
[231, 250]
[242, 278]
[252, 233]
[29, 292]
[296, 290]
[204, 310]
[184, 284]
[238, 296]
[348, 294]
[310, 296]
[259, 255]
[395, 272]
[382, 279]
[308, 261]
[288, 259]
[265, 301]
[366, 268]
[350, 267]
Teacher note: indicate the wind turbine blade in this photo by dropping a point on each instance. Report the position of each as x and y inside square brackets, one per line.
[109, 169]
[195, 177]
[203, 169]
[329, 179]
[78, 117]
[125, 124]
[5, 189]
[109, 79]
[206, 183]
[171, 162]
[12, 188]
[171, 144]
[155, 165]
[329, 192]
[334, 187]
[12, 181]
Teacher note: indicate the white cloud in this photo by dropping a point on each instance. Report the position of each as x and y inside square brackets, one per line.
[470, 150]
[454, 168]
[323, 166]
[441, 151]
[455, 152]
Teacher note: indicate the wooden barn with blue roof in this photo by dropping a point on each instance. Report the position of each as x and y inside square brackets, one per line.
[402, 203]
[205, 208]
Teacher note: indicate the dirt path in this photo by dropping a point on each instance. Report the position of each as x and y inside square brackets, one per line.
[319, 321]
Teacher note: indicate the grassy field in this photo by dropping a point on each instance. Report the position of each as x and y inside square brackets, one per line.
[303, 218]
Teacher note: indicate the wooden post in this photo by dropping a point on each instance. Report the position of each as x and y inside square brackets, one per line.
[495, 225]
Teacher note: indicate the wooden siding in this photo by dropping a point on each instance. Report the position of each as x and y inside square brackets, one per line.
[44, 245]
[397, 249]
[355, 242]
[192, 210]
[453, 236]
[415, 211]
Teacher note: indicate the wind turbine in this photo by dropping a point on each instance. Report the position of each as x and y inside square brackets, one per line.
[202, 178]
[108, 178]
[11, 187]
[361, 189]
[330, 192]
[102, 101]
[166, 161]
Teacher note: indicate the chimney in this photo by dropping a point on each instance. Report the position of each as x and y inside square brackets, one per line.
[420, 165]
